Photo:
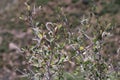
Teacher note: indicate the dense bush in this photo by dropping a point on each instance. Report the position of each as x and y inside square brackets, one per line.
[63, 53]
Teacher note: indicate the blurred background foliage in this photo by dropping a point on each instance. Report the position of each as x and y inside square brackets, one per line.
[14, 33]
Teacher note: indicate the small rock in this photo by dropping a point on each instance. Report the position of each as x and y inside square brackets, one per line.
[13, 46]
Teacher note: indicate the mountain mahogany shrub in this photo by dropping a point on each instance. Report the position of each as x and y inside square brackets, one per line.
[58, 53]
